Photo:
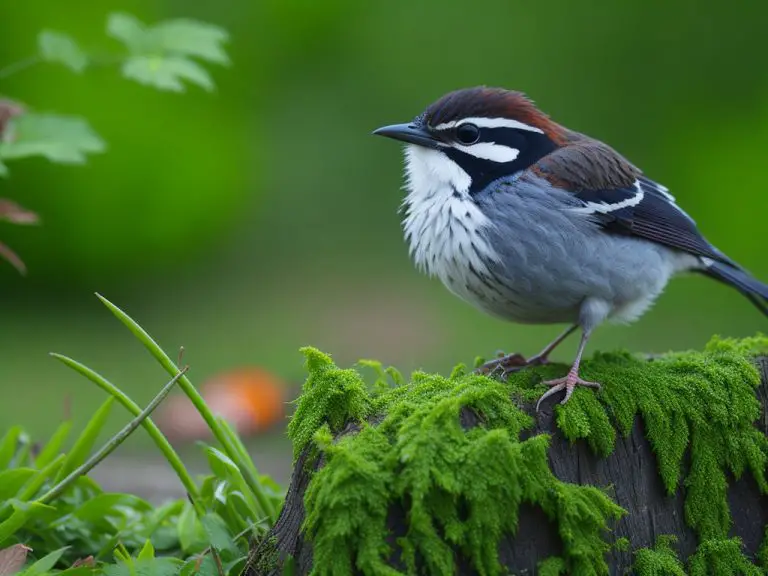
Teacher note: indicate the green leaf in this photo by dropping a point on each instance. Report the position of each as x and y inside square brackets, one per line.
[191, 533]
[45, 563]
[12, 480]
[8, 445]
[22, 513]
[53, 446]
[3, 169]
[192, 38]
[63, 139]
[87, 439]
[166, 73]
[58, 47]
[216, 530]
[95, 509]
[129, 30]
[147, 552]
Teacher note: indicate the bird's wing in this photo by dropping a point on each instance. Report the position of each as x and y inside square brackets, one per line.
[621, 199]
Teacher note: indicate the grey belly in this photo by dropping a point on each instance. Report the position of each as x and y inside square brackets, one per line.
[545, 269]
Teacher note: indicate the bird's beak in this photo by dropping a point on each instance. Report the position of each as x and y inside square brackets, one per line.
[411, 133]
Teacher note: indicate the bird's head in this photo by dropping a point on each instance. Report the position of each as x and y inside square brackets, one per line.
[470, 137]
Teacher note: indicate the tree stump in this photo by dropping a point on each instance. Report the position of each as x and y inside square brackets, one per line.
[629, 475]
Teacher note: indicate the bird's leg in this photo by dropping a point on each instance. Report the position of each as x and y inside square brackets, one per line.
[508, 363]
[543, 356]
[572, 379]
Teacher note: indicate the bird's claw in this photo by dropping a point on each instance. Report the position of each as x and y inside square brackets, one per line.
[503, 365]
[567, 383]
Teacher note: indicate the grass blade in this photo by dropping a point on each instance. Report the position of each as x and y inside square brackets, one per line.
[87, 439]
[53, 446]
[154, 432]
[8, 446]
[112, 444]
[194, 396]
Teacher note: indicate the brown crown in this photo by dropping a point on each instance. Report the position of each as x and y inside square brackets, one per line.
[487, 102]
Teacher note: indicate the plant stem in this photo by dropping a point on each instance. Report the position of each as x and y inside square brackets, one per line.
[113, 442]
[154, 432]
[16, 67]
[197, 400]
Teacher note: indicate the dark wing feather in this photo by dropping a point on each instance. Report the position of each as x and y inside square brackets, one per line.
[621, 199]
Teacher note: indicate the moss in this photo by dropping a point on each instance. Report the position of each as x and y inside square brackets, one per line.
[329, 396]
[267, 558]
[553, 566]
[722, 557]
[701, 402]
[762, 554]
[661, 560]
[461, 488]
[621, 544]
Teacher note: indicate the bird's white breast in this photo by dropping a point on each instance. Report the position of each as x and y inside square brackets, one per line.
[444, 228]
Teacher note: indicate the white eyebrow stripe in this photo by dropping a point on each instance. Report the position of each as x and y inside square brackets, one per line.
[605, 208]
[490, 151]
[489, 123]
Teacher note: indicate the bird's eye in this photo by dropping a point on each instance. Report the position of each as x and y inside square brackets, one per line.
[468, 134]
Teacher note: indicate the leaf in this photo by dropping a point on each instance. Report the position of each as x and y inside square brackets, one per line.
[8, 445]
[191, 533]
[58, 47]
[85, 442]
[12, 480]
[216, 530]
[63, 139]
[13, 259]
[3, 169]
[53, 446]
[8, 110]
[45, 563]
[147, 552]
[22, 513]
[98, 507]
[12, 559]
[129, 30]
[166, 73]
[15, 214]
[192, 38]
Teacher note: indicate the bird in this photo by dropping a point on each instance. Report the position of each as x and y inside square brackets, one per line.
[534, 223]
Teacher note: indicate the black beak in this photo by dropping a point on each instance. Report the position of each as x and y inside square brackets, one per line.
[411, 133]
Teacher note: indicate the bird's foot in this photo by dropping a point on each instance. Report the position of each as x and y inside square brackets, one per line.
[568, 383]
[505, 364]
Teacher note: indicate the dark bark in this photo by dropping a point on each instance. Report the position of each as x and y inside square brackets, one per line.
[631, 470]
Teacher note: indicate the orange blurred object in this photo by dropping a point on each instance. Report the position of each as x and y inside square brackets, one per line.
[251, 399]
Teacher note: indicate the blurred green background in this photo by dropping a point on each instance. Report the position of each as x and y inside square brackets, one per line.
[246, 223]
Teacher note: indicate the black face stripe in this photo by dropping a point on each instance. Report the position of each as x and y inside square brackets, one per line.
[532, 146]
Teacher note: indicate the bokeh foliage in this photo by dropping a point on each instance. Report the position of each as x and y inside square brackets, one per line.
[250, 221]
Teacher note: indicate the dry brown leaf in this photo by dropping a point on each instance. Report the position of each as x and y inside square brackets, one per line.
[8, 109]
[12, 212]
[87, 561]
[12, 559]
[11, 257]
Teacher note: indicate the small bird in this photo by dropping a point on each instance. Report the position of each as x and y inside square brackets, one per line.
[534, 223]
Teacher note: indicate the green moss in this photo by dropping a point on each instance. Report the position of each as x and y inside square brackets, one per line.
[661, 560]
[762, 554]
[330, 396]
[721, 557]
[461, 488]
[554, 566]
[267, 559]
[703, 402]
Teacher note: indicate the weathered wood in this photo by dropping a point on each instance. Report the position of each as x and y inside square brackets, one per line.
[631, 470]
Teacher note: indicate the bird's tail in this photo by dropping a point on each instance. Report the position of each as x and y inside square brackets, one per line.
[756, 291]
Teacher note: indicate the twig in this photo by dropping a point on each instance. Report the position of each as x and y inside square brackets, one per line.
[113, 442]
